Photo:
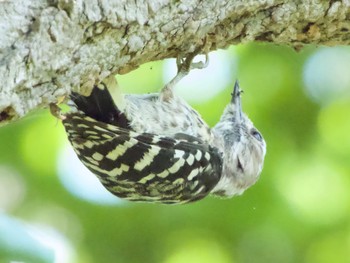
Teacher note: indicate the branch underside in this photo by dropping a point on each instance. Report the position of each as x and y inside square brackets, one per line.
[49, 48]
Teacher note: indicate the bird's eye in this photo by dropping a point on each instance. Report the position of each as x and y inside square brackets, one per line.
[256, 135]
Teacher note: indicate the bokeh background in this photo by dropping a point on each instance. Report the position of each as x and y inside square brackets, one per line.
[53, 210]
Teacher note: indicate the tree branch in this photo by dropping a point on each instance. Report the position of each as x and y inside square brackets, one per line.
[50, 47]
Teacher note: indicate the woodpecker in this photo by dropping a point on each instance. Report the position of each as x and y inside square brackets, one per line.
[157, 148]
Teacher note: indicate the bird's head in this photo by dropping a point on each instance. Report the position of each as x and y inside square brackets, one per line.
[243, 148]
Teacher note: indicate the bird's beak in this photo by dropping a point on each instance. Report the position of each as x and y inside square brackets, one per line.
[236, 101]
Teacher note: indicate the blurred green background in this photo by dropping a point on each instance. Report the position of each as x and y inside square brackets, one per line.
[53, 210]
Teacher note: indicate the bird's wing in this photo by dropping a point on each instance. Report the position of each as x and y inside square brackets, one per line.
[145, 166]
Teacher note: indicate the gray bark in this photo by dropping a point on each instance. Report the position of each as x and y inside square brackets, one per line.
[49, 47]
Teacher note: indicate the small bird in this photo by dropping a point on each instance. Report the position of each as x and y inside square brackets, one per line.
[157, 148]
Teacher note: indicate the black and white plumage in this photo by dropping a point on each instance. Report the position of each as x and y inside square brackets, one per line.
[144, 166]
[156, 148]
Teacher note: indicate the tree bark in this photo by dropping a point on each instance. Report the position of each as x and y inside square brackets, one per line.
[49, 47]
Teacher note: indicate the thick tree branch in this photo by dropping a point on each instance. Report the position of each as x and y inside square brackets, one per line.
[49, 47]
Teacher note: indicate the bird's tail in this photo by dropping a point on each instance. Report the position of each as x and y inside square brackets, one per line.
[100, 105]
